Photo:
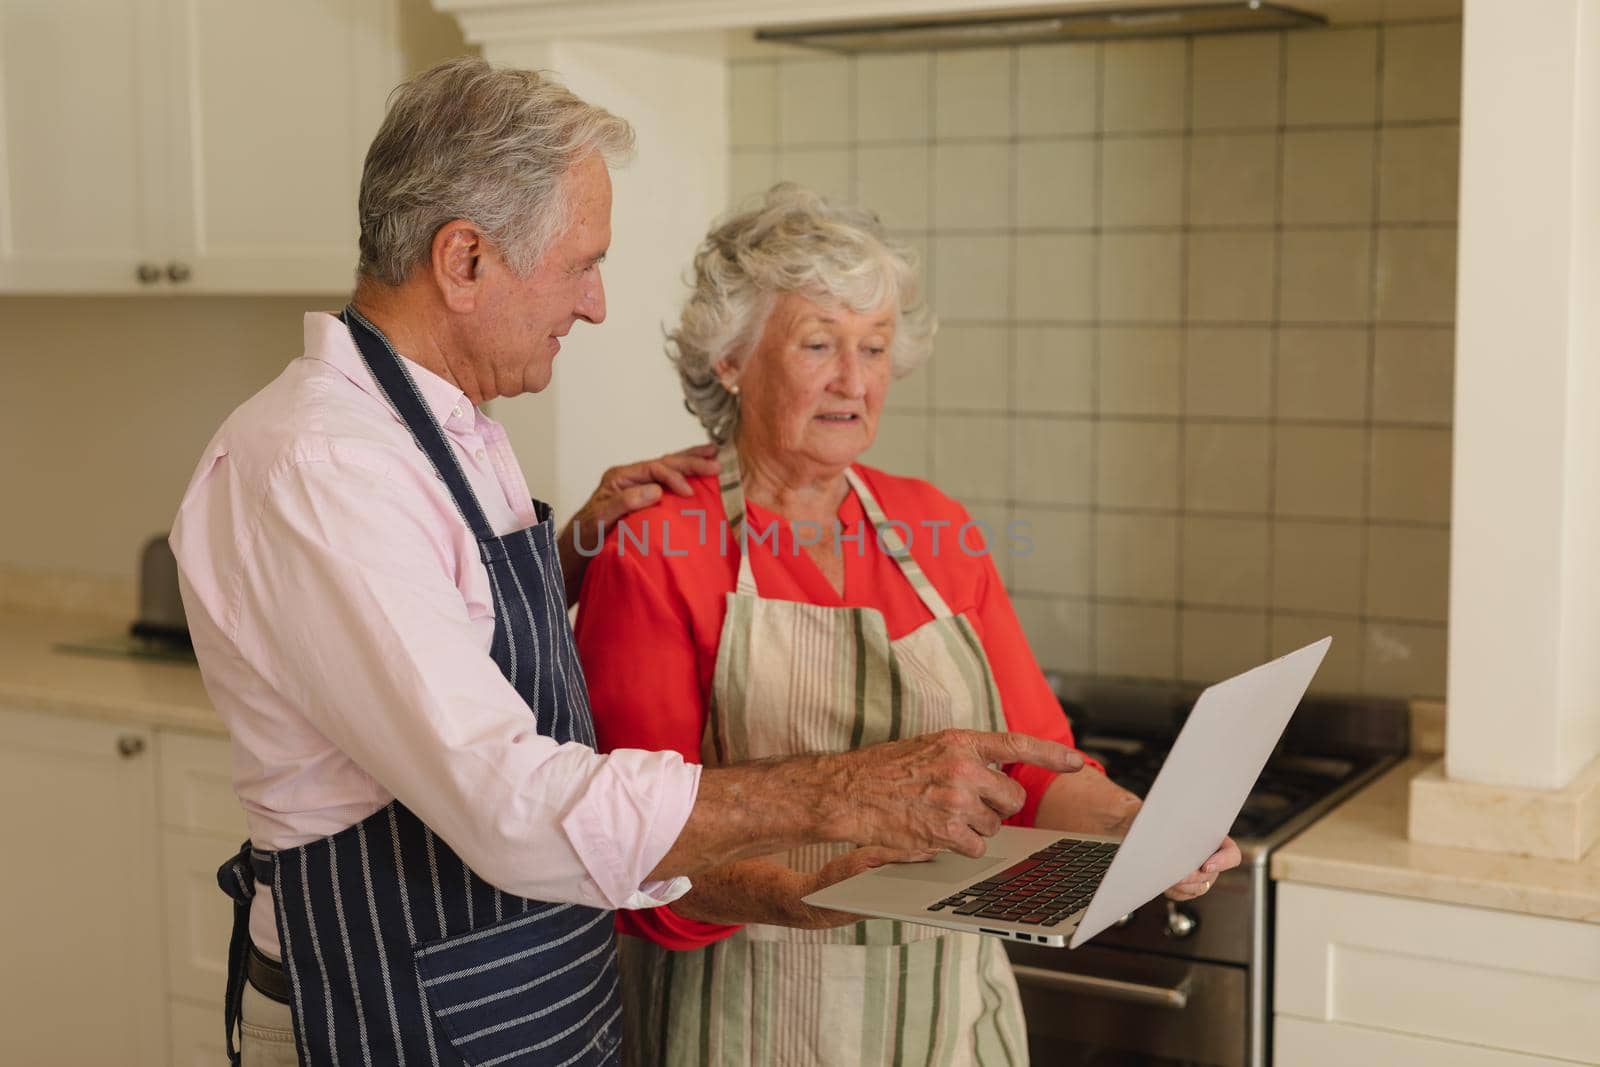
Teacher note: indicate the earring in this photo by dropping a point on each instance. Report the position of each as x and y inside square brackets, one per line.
[734, 389]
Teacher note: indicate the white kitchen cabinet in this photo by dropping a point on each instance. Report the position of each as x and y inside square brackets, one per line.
[79, 900]
[1381, 980]
[187, 145]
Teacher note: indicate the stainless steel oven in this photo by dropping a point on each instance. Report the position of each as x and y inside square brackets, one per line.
[1190, 984]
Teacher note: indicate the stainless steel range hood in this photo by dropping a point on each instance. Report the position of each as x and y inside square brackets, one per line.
[1043, 26]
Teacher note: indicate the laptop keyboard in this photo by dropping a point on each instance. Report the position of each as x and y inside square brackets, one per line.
[1042, 890]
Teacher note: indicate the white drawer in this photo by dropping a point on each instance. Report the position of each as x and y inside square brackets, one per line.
[1302, 1043]
[199, 916]
[1444, 972]
[197, 786]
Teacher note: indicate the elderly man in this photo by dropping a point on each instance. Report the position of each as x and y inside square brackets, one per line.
[379, 613]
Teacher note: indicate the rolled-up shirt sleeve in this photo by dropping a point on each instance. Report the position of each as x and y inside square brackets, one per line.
[350, 606]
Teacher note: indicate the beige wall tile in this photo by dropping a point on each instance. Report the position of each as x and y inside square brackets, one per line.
[1057, 89]
[1341, 670]
[813, 101]
[1055, 184]
[826, 170]
[901, 446]
[1137, 464]
[1320, 471]
[1144, 85]
[1225, 561]
[1419, 173]
[971, 455]
[1141, 181]
[751, 172]
[1058, 632]
[1054, 370]
[752, 105]
[1215, 645]
[1228, 372]
[1404, 660]
[1236, 81]
[1322, 372]
[1233, 179]
[1414, 377]
[1139, 370]
[1135, 641]
[1055, 276]
[1416, 275]
[1316, 567]
[1058, 562]
[970, 371]
[1332, 76]
[1327, 176]
[1140, 277]
[1326, 276]
[971, 186]
[893, 97]
[1422, 71]
[972, 279]
[1053, 460]
[914, 392]
[1408, 573]
[1226, 467]
[1136, 556]
[895, 181]
[972, 93]
[1230, 276]
[1411, 474]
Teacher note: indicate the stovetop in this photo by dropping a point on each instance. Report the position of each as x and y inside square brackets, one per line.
[1330, 747]
[1289, 784]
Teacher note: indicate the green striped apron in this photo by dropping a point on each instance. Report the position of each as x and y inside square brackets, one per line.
[793, 678]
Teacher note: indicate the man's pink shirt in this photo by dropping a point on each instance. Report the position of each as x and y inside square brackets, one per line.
[343, 620]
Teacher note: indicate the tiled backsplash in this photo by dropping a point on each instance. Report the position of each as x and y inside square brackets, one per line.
[1196, 300]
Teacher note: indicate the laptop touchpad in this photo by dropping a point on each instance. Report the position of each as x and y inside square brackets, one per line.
[945, 867]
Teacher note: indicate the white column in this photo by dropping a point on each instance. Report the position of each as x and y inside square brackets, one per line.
[1524, 666]
[614, 397]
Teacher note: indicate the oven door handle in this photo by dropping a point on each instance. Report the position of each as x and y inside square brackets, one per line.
[1175, 997]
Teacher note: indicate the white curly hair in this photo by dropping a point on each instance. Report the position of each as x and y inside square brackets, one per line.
[794, 241]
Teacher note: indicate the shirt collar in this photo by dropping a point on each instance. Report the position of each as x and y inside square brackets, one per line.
[328, 339]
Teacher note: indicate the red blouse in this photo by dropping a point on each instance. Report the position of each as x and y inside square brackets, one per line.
[651, 615]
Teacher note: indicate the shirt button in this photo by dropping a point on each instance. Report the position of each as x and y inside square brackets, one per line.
[458, 411]
[479, 453]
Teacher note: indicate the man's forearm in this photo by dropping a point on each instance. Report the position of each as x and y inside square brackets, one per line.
[750, 891]
[755, 809]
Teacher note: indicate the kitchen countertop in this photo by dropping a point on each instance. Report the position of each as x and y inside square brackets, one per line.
[35, 676]
[1362, 845]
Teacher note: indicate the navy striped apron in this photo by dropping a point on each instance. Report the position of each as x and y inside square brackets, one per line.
[396, 952]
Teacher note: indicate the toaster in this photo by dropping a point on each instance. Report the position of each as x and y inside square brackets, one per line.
[161, 615]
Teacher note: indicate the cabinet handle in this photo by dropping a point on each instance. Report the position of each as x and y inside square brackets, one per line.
[129, 745]
[148, 274]
[178, 272]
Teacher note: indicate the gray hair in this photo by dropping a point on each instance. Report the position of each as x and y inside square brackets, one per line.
[467, 141]
[794, 241]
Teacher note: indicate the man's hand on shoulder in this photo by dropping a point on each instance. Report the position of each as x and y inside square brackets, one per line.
[623, 490]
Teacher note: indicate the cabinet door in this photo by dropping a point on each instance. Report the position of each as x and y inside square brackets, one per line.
[82, 152]
[79, 900]
[272, 111]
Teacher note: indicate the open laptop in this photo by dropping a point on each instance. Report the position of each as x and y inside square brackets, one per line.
[1043, 886]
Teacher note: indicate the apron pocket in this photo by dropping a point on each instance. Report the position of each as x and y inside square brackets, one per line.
[538, 988]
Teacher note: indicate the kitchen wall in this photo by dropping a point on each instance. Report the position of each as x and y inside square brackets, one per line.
[112, 398]
[1196, 300]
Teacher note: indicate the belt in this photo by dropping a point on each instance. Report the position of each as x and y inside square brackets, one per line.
[267, 975]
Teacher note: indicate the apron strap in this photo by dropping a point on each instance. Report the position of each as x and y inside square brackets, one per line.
[887, 532]
[401, 389]
[237, 877]
[889, 536]
[732, 486]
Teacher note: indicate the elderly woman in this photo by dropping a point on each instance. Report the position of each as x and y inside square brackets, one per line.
[774, 611]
